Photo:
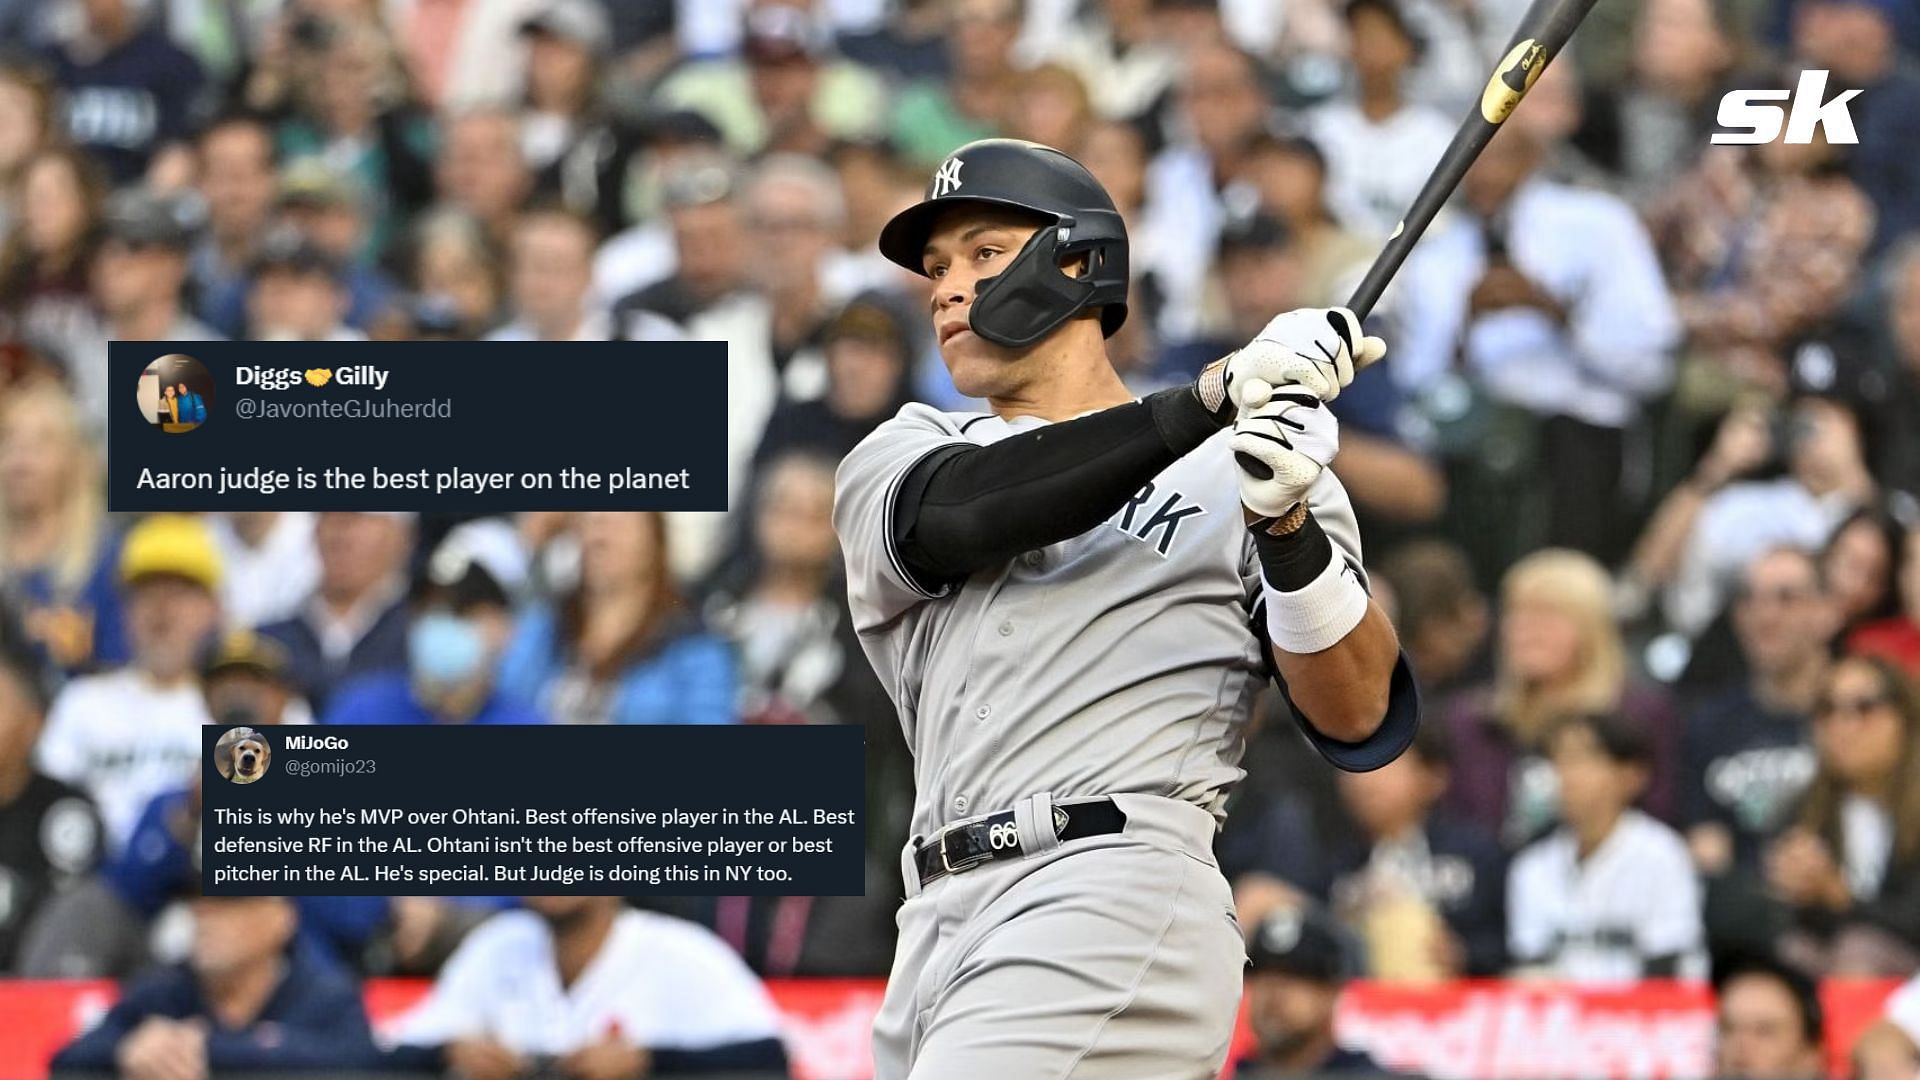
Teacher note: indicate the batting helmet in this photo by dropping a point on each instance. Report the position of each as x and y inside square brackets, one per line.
[1031, 297]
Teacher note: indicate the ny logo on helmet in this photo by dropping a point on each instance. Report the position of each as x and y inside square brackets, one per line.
[947, 180]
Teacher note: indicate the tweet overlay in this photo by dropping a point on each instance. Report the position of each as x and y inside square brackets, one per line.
[505, 810]
[482, 427]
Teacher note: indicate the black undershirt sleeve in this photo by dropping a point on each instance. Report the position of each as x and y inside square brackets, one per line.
[965, 508]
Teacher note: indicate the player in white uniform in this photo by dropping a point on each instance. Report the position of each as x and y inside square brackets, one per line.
[1073, 600]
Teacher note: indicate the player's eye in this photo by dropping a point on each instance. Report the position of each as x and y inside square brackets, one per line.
[986, 253]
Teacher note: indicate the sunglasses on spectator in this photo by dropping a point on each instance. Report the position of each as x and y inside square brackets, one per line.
[1781, 596]
[1855, 708]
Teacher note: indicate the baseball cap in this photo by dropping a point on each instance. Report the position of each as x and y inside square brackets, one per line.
[1253, 232]
[479, 562]
[144, 219]
[170, 545]
[310, 181]
[580, 22]
[244, 650]
[289, 249]
[777, 33]
[1299, 941]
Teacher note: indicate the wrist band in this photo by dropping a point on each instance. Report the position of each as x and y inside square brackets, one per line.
[1314, 615]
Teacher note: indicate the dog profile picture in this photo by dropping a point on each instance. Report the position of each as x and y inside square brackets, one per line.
[242, 756]
[176, 392]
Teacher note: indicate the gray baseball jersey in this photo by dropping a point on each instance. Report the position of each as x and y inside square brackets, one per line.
[1125, 659]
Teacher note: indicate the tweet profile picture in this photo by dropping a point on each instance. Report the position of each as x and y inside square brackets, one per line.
[176, 393]
[242, 756]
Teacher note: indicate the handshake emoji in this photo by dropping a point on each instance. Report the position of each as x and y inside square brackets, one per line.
[319, 376]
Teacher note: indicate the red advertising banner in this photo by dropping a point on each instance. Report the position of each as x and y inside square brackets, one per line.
[1453, 1031]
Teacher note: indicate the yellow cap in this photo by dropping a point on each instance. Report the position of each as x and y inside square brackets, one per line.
[170, 544]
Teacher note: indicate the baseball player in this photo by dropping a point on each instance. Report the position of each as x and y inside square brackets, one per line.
[1073, 600]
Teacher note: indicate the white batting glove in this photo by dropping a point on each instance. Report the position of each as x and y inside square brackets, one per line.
[1280, 448]
[1315, 349]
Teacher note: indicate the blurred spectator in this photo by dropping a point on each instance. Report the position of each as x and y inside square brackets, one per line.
[355, 621]
[786, 618]
[58, 557]
[1298, 965]
[1747, 753]
[1761, 246]
[930, 119]
[453, 263]
[1719, 519]
[1861, 565]
[129, 92]
[1559, 654]
[327, 207]
[1119, 50]
[1380, 146]
[1442, 617]
[271, 564]
[1769, 1024]
[910, 44]
[458, 626]
[297, 292]
[137, 276]
[579, 154]
[1850, 865]
[352, 109]
[1050, 106]
[26, 121]
[1548, 297]
[102, 928]
[1425, 892]
[1895, 393]
[869, 378]
[49, 833]
[676, 148]
[1897, 637]
[237, 183]
[711, 254]
[1855, 41]
[786, 92]
[551, 281]
[795, 207]
[1684, 53]
[1289, 179]
[44, 264]
[128, 735]
[1221, 106]
[664, 996]
[622, 647]
[245, 1000]
[482, 170]
[1610, 895]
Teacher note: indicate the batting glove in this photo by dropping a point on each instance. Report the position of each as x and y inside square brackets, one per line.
[1280, 448]
[1315, 349]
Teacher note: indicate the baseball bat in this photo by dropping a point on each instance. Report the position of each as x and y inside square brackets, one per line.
[1543, 31]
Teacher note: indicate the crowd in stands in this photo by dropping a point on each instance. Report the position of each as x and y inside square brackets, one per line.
[1639, 480]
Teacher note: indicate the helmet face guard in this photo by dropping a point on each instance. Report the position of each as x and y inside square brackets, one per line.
[1033, 296]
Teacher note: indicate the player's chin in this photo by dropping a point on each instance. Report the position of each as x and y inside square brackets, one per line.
[979, 367]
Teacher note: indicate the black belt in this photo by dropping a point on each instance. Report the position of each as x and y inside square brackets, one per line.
[997, 836]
